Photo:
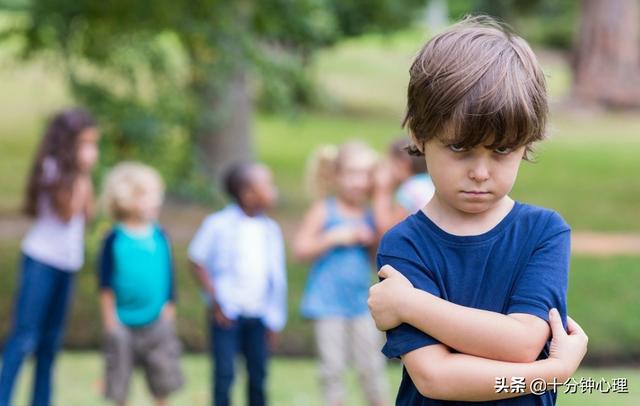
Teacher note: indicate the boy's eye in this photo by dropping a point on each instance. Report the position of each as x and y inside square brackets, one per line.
[503, 150]
[457, 148]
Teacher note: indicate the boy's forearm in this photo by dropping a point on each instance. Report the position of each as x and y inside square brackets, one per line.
[465, 377]
[202, 279]
[471, 331]
[107, 308]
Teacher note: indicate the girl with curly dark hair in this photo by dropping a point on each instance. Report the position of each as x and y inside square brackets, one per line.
[59, 197]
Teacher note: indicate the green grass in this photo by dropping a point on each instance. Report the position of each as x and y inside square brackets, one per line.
[292, 382]
[603, 298]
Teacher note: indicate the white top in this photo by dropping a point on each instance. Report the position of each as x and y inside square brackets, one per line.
[52, 240]
[415, 192]
[245, 260]
[251, 276]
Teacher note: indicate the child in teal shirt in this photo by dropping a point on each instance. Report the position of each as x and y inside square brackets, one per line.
[137, 287]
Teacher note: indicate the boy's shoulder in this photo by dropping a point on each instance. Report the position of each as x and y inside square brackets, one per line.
[412, 233]
[531, 215]
[401, 236]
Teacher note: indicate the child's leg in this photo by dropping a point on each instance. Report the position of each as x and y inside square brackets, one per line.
[224, 347]
[254, 347]
[366, 342]
[158, 350]
[119, 362]
[31, 301]
[51, 337]
[332, 350]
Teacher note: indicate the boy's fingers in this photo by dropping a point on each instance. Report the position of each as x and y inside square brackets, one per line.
[386, 271]
[573, 327]
[556, 323]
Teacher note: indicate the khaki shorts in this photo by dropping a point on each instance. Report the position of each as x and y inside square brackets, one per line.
[155, 348]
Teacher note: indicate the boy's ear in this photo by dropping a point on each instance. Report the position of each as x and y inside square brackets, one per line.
[416, 142]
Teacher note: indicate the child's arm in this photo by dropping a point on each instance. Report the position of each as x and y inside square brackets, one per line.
[202, 279]
[275, 306]
[517, 336]
[105, 278]
[512, 338]
[440, 374]
[312, 241]
[386, 211]
[169, 308]
[110, 320]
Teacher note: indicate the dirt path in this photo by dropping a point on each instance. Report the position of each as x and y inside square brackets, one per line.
[605, 244]
[182, 223]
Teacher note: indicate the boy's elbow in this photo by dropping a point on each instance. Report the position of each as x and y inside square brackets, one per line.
[428, 382]
[521, 354]
[530, 353]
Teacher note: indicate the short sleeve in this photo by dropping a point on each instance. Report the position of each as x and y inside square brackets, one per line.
[107, 262]
[200, 246]
[406, 338]
[543, 282]
[172, 265]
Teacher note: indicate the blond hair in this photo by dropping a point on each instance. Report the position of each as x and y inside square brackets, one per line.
[125, 183]
[477, 82]
[325, 162]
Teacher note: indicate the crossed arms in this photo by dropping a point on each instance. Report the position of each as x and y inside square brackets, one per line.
[490, 345]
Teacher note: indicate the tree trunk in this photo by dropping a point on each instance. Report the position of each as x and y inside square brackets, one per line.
[225, 136]
[607, 55]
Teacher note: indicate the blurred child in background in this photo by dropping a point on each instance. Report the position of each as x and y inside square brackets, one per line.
[137, 287]
[337, 236]
[59, 196]
[402, 186]
[238, 260]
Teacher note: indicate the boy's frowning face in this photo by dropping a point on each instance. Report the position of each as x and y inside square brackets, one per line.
[471, 180]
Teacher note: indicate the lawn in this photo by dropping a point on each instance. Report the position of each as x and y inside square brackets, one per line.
[292, 383]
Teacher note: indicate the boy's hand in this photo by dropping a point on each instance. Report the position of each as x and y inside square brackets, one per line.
[386, 298]
[219, 317]
[169, 312]
[569, 348]
[111, 324]
[273, 337]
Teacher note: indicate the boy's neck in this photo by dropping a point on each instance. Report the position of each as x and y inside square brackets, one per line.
[138, 226]
[457, 222]
[250, 211]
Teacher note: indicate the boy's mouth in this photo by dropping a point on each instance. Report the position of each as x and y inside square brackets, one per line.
[475, 192]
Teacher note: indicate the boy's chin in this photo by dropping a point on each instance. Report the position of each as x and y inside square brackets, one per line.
[475, 207]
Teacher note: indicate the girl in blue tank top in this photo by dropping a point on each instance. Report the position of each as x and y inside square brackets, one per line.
[336, 237]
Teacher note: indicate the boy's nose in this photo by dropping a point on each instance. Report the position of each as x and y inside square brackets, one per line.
[480, 171]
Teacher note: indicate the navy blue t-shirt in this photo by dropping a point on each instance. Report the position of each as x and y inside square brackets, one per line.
[519, 266]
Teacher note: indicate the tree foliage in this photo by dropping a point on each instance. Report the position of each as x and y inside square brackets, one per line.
[157, 72]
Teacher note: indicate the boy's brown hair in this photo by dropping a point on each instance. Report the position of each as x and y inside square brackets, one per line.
[477, 82]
